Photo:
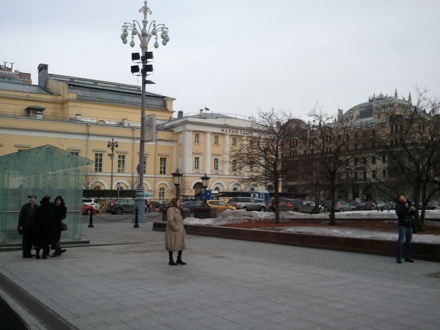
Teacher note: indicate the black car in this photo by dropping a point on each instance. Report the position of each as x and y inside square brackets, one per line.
[119, 206]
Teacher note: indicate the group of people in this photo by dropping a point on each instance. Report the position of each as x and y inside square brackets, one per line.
[41, 226]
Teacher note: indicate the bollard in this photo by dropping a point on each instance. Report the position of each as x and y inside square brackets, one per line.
[91, 219]
[136, 223]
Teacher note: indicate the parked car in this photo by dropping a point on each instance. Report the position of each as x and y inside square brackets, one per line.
[219, 204]
[93, 202]
[381, 205]
[191, 204]
[303, 206]
[119, 206]
[284, 205]
[358, 205]
[248, 203]
[86, 209]
[369, 205]
[340, 206]
[433, 206]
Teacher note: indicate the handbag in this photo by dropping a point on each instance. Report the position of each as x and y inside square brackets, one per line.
[63, 226]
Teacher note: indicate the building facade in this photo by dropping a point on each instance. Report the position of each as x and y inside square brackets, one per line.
[100, 121]
[350, 145]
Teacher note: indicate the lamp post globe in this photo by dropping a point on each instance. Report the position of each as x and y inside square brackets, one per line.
[177, 177]
[144, 33]
[205, 181]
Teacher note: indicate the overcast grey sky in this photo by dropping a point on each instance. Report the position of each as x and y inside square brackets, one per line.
[237, 56]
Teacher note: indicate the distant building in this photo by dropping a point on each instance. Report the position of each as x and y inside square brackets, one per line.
[363, 160]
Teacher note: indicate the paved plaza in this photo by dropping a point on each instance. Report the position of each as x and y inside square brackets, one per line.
[122, 280]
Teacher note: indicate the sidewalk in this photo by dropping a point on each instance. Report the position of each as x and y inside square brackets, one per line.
[122, 281]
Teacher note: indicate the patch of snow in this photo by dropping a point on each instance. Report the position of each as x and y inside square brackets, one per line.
[240, 216]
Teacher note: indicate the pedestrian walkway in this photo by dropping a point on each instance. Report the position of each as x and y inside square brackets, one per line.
[122, 280]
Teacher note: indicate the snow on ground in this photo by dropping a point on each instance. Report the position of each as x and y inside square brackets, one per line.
[240, 216]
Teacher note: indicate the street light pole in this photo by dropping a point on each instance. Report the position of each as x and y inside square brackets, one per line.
[112, 145]
[205, 180]
[145, 34]
[177, 177]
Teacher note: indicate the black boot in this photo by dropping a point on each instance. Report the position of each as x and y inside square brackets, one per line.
[171, 262]
[179, 258]
[37, 254]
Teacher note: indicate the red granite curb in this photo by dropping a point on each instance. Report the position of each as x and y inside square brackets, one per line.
[422, 251]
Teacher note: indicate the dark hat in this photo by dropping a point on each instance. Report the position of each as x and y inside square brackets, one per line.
[47, 196]
[32, 196]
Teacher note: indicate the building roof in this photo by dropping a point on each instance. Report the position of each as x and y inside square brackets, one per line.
[19, 86]
[108, 92]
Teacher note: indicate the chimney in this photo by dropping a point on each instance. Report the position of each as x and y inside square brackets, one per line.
[180, 114]
[43, 75]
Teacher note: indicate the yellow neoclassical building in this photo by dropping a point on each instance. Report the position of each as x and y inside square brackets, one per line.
[100, 121]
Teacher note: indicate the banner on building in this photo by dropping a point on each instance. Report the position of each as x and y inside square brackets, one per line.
[150, 128]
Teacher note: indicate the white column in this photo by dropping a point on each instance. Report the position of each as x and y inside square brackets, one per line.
[187, 151]
[208, 152]
[226, 156]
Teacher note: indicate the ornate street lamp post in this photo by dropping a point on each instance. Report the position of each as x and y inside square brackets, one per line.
[177, 177]
[112, 145]
[205, 181]
[144, 33]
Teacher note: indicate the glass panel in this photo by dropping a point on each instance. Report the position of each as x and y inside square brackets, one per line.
[40, 171]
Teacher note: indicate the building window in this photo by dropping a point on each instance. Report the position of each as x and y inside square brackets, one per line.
[197, 163]
[384, 173]
[163, 165]
[161, 194]
[234, 165]
[98, 162]
[196, 138]
[216, 140]
[251, 166]
[216, 166]
[234, 141]
[76, 153]
[373, 160]
[121, 163]
[384, 159]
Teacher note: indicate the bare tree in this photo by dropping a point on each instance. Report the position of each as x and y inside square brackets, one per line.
[89, 176]
[411, 141]
[329, 141]
[258, 157]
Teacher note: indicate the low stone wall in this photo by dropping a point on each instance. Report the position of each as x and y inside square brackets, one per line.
[422, 251]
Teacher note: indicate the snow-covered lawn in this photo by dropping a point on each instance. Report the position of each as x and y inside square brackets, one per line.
[240, 216]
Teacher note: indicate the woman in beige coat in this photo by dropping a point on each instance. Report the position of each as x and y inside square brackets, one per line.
[175, 233]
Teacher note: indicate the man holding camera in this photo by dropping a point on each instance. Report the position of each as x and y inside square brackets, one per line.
[404, 212]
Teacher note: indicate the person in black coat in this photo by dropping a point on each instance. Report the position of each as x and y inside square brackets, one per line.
[60, 211]
[26, 224]
[405, 211]
[44, 227]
